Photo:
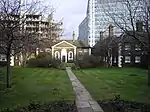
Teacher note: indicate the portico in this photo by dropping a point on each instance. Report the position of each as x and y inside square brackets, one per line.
[69, 50]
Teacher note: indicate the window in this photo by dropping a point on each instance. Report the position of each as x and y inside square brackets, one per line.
[137, 59]
[85, 50]
[47, 50]
[115, 60]
[70, 55]
[57, 55]
[137, 47]
[127, 59]
[3, 57]
[127, 46]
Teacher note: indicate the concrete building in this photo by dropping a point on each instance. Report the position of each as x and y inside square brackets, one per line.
[83, 30]
[45, 28]
[98, 20]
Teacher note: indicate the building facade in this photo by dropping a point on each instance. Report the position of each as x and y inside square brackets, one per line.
[70, 50]
[67, 50]
[44, 28]
[83, 30]
[123, 51]
[98, 19]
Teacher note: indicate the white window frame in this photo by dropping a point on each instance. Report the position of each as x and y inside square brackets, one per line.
[127, 59]
[85, 50]
[57, 52]
[115, 60]
[70, 52]
[137, 59]
[47, 50]
[3, 57]
[127, 46]
[137, 47]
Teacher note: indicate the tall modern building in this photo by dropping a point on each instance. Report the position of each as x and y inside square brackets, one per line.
[98, 20]
[83, 30]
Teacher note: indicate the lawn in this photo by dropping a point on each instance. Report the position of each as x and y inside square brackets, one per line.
[35, 84]
[129, 83]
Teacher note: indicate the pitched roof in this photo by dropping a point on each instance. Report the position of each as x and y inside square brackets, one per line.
[77, 43]
[141, 36]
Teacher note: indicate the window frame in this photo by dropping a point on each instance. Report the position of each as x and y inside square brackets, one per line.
[70, 52]
[127, 48]
[127, 60]
[138, 60]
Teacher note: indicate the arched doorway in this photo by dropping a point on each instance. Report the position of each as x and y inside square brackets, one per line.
[64, 55]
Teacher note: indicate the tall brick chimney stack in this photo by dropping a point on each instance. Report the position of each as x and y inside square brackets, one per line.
[101, 35]
[111, 30]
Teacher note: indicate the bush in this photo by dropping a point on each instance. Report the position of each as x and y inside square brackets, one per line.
[55, 106]
[54, 63]
[90, 62]
[3, 63]
[42, 61]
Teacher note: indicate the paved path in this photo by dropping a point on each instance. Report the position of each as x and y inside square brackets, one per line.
[84, 101]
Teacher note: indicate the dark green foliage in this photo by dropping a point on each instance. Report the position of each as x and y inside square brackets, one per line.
[90, 62]
[55, 106]
[54, 63]
[117, 105]
[144, 61]
[3, 63]
[43, 61]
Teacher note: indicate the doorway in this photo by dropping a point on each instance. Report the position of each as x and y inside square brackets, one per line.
[63, 58]
[64, 55]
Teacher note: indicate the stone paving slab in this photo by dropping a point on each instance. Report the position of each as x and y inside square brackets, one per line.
[84, 101]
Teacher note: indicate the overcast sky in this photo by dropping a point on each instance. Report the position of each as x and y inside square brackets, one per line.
[72, 12]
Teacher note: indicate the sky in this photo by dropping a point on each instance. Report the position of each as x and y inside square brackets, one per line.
[72, 12]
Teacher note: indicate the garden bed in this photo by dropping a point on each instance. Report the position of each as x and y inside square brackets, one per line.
[123, 106]
[55, 106]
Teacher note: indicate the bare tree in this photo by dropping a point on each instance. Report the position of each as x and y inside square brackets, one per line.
[51, 33]
[14, 37]
[131, 12]
[105, 49]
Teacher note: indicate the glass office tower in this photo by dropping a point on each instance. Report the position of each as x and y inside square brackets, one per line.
[98, 20]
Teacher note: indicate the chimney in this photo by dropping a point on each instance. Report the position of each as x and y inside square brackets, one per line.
[101, 35]
[73, 36]
[139, 26]
[111, 28]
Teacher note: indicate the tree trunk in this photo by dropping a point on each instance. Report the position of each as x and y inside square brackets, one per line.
[148, 59]
[149, 64]
[148, 68]
[8, 85]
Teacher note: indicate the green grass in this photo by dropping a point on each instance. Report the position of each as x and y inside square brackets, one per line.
[35, 84]
[129, 83]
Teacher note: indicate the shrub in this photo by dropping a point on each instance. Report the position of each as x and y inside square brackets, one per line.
[3, 63]
[33, 62]
[54, 63]
[42, 61]
[90, 62]
[54, 106]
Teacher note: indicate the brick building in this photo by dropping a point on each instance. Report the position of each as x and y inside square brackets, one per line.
[125, 50]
